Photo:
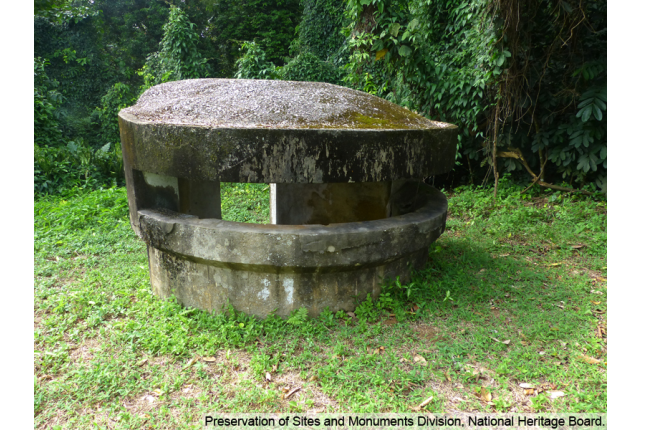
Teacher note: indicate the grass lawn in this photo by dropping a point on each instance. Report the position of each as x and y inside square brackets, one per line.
[514, 292]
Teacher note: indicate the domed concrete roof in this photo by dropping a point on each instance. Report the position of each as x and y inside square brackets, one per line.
[280, 131]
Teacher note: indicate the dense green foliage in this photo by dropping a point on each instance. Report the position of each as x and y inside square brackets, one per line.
[309, 67]
[178, 57]
[94, 58]
[319, 32]
[47, 100]
[526, 77]
[253, 64]
[524, 81]
[269, 23]
[319, 50]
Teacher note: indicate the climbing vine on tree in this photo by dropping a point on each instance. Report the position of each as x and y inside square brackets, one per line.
[524, 81]
[178, 57]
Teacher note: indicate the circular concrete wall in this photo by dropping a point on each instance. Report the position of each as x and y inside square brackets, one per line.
[260, 269]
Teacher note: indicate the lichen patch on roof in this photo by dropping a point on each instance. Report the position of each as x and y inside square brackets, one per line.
[247, 103]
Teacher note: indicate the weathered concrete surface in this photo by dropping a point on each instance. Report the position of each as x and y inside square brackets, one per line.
[211, 130]
[340, 160]
[262, 268]
[279, 132]
[258, 104]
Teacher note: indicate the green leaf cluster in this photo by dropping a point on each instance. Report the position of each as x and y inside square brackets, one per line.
[318, 51]
[46, 102]
[178, 57]
[271, 24]
[76, 165]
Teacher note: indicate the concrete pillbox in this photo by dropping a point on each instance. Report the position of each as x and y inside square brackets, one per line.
[347, 206]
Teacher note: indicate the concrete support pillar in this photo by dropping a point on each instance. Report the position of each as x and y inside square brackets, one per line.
[187, 196]
[200, 198]
[332, 203]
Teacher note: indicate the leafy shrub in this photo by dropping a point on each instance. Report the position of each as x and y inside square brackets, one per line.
[178, 57]
[54, 170]
[46, 102]
[366, 311]
[308, 67]
[253, 63]
[270, 24]
[118, 97]
[76, 165]
[319, 32]
[80, 64]
[304, 67]
[298, 317]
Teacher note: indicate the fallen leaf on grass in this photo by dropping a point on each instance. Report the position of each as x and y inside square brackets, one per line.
[505, 342]
[268, 377]
[209, 359]
[404, 360]
[526, 385]
[141, 362]
[578, 246]
[595, 303]
[528, 391]
[589, 360]
[190, 363]
[351, 314]
[448, 376]
[425, 402]
[554, 264]
[555, 394]
[418, 359]
[290, 393]
[391, 321]
[274, 368]
[485, 395]
[422, 405]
